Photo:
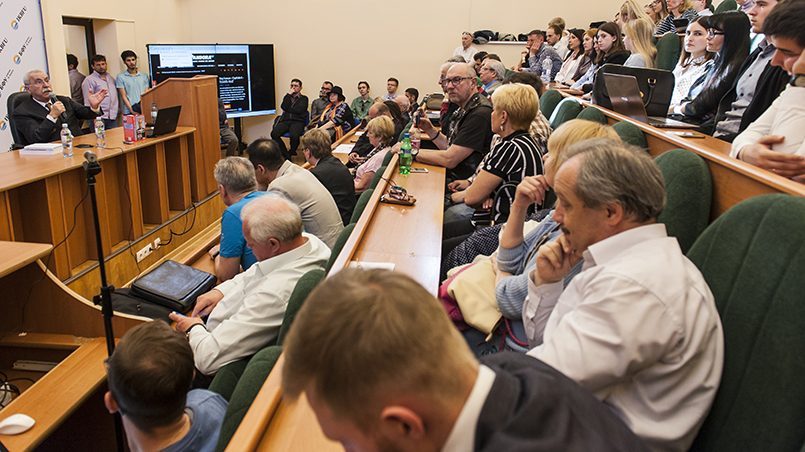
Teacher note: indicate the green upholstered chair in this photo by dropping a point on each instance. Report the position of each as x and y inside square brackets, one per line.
[387, 159]
[566, 110]
[339, 245]
[360, 206]
[726, 5]
[227, 378]
[689, 192]
[378, 176]
[668, 49]
[548, 102]
[592, 114]
[753, 259]
[246, 390]
[631, 134]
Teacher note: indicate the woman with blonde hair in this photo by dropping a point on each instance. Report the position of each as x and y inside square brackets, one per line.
[631, 10]
[380, 132]
[639, 40]
[677, 9]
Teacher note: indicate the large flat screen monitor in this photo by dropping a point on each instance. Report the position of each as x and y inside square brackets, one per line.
[245, 72]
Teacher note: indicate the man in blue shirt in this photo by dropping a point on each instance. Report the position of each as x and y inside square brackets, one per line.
[131, 84]
[149, 377]
[237, 186]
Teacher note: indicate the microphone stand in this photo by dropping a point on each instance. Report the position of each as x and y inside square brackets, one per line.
[92, 169]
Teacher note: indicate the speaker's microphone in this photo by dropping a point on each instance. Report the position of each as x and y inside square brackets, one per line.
[55, 99]
[90, 157]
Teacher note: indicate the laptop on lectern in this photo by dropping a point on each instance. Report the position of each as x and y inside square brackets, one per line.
[627, 100]
[167, 120]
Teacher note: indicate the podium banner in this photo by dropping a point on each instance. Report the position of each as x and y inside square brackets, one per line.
[22, 48]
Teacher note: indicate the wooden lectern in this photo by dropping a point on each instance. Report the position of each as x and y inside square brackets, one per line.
[198, 97]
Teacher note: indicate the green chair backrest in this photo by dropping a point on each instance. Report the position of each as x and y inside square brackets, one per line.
[227, 378]
[360, 206]
[378, 176]
[339, 245]
[726, 5]
[387, 159]
[753, 259]
[592, 114]
[548, 102]
[668, 49]
[566, 110]
[689, 192]
[631, 134]
[300, 292]
[246, 390]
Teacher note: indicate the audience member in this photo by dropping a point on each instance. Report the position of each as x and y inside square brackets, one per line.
[554, 38]
[337, 118]
[574, 57]
[590, 44]
[396, 115]
[639, 41]
[478, 59]
[97, 81]
[701, 7]
[757, 85]
[776, 140]
[131, 83]
[559, 23]
[466, 49]
[391, 88]
[76, 78]
[245, 313]
[610, 51]
[363, 146]
[318, 105]
[493, 56]
[694, 61]
[677, 9]
[540, 128]
[405, 108]
[631, 10]
[293, 118]
[228, 137]
[492, 73]
[39, 120]
[237, 186]
[542, 58]
[149, 376]
[448, 108]
[432, 394]
[469, 132]
[380, 131]
[728, 38]
[329, 171]
[638, 326]
[660, 11]
[319, 212]
[413, 97]
[360, 105]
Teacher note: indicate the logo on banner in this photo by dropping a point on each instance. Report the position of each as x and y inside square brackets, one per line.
[3, 44]
[15, 23]
[4, 82]
[17, 58]
[4, 123]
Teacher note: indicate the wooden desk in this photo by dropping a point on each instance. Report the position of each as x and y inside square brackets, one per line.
[733, 180]
[350, 137]
[407, 236]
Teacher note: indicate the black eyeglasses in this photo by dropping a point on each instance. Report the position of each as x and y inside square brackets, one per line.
[456, 80]
[712, 33]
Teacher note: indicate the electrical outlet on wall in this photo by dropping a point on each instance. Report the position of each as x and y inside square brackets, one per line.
[157, 243]
[143, 253]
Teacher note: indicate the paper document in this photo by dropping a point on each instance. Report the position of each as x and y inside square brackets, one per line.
[371, 265]
[343, 149]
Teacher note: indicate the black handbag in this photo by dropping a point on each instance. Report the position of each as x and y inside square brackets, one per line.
[656, 87]
[173, 285]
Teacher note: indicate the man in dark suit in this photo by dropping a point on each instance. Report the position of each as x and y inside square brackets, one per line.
[383, 366]
[293, 118]
[329, 171]
[38, 119]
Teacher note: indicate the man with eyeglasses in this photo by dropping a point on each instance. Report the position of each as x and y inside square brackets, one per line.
[292, 120]
[757, 85]
[39, 117]
[317, 106]
[470, 131]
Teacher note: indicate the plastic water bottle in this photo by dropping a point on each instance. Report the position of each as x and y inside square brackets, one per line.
[546, 70]
[154, 112]
[100, 133]
[66, 141]
[416, 140]
[405, 155]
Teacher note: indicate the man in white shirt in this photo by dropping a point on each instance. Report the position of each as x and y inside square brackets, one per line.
[466, 49]
[555, 39]
[776, 140]
[638, 326]
[246, 312]
[384, 368]
[319, 211]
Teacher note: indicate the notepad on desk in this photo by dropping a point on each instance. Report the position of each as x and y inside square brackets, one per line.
[41, 149]
[343, 149]
[371, 265]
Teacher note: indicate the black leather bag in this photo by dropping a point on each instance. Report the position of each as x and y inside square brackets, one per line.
[173, 285]
[656, 87]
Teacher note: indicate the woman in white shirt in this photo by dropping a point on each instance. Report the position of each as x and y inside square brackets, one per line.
[694, 61]
[573, 58]
[639, 40]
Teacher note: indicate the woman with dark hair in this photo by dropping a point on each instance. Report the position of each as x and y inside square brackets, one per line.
[694, 61]
[337, 118]
[728, 37]
[397, 117]
[590, 53]
[610, 51]
[574, 57]
[659, 10]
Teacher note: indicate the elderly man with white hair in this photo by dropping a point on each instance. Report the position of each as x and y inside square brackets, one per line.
[492, 74]
[245, 313]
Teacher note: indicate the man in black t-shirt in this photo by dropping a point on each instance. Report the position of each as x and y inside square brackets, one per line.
[470, 131]
[335, 177]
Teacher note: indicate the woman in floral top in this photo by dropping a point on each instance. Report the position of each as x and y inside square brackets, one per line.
[337, 118]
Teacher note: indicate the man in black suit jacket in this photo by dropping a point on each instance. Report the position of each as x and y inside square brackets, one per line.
[330, 171]
[382, 365]
[39, 120]
[293, 118]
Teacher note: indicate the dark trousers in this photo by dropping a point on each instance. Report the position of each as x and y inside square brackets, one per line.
[294, 128]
